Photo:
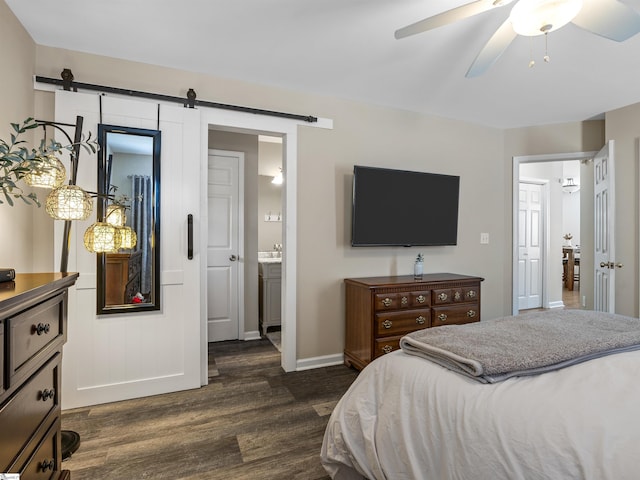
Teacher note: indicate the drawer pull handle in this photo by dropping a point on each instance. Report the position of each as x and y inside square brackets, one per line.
[420, 320]
[442, 317]
[471, 313]
[387, 302]
[404, 301]
[472, 294]
[387, 349]
[47, 394]
[421, 299]
[42, 328]
[47, 465]
[387, 323]
[457, 296]
[443, 296]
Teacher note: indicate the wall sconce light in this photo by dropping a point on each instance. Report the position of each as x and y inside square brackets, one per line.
[277, 180]
[570, 186]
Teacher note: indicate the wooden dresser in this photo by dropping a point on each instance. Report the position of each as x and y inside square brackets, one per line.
[380, 310]
[33, 328]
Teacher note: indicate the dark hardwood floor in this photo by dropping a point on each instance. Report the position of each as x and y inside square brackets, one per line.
[252, 421]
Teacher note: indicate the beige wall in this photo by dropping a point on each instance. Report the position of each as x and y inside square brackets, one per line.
[17, 52]
[364, 135]
[269, 202]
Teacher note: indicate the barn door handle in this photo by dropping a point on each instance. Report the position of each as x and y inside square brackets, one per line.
[190, 237]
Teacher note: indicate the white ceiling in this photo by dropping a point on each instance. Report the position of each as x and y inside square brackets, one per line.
[346, 48]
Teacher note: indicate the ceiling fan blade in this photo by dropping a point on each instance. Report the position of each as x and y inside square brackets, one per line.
[608, 18]
[492, 50]
[450, 16]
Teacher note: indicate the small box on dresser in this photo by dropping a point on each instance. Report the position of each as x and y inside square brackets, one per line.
[380, 310]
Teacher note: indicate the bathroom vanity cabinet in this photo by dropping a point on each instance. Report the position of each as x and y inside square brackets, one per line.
[269, 274]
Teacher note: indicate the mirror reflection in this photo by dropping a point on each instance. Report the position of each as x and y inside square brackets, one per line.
[129, 188]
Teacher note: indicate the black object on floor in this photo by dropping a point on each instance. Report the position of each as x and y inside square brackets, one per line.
[70, 442]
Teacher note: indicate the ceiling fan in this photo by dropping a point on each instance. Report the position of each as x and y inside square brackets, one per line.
[607, 18]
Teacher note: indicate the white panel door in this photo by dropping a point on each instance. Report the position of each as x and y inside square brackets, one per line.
[115, 357]
[223, 246]
[530, 231]
[604, 242]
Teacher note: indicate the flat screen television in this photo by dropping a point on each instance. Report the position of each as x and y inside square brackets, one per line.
[403, 208]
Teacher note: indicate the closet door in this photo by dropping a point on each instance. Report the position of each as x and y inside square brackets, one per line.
[119, 356]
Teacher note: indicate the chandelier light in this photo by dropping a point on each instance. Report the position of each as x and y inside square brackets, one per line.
[537, 17]
[570, 186]
[69, 202]
[102, 237]
[128, 237]
[49, 172]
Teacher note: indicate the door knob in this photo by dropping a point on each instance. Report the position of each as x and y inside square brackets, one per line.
[610, 265]
[233, 258]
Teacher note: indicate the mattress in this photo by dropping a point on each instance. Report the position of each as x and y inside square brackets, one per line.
[408, 418]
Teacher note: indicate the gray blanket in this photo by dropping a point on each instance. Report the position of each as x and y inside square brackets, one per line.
[494, 350]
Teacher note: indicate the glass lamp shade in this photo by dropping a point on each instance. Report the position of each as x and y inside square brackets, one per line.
[536, 17]
[128, 237]
[69, 202]
[115, 215]
[45, 171]
[102, 237]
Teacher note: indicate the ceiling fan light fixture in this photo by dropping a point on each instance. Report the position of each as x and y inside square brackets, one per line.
[538, 17]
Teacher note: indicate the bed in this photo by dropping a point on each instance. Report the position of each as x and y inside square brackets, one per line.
[407, 417]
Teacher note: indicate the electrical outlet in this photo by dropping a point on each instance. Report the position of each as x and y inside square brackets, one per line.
[484, 238]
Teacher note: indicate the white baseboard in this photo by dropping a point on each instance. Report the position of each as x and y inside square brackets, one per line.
[558, 304]
[253, 335]
[319, 362]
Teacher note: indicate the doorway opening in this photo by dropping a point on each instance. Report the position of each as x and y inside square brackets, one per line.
[552, 170]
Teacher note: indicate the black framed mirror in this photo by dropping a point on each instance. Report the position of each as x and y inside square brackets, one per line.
[129, 198]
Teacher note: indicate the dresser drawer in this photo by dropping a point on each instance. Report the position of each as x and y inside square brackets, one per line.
[404, 321]
[32, 331]
[386, 345]
[26, 411]
[41, 464]
[455, 314]
[1, 357]
[446, 296]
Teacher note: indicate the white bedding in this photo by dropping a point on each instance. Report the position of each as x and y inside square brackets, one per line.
[407, 418]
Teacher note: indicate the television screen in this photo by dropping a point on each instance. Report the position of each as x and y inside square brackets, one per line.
[403, 208]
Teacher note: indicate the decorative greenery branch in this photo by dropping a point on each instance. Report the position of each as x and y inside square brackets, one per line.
[16, 160]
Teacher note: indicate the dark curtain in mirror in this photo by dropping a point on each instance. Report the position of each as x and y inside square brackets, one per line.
[129, 188]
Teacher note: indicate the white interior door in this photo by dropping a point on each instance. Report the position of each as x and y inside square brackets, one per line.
[604, 244]
[224, 250]
[530, 238]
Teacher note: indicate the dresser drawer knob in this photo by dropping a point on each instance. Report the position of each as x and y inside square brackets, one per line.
[47, 394]
[387, 302]
[421, 299]
[443, 296]
[442, 317]
[472, 294]
[387, 323]
[420, 320]
[47, 465]
[387, 349]
[42, 328]
[471, 313]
